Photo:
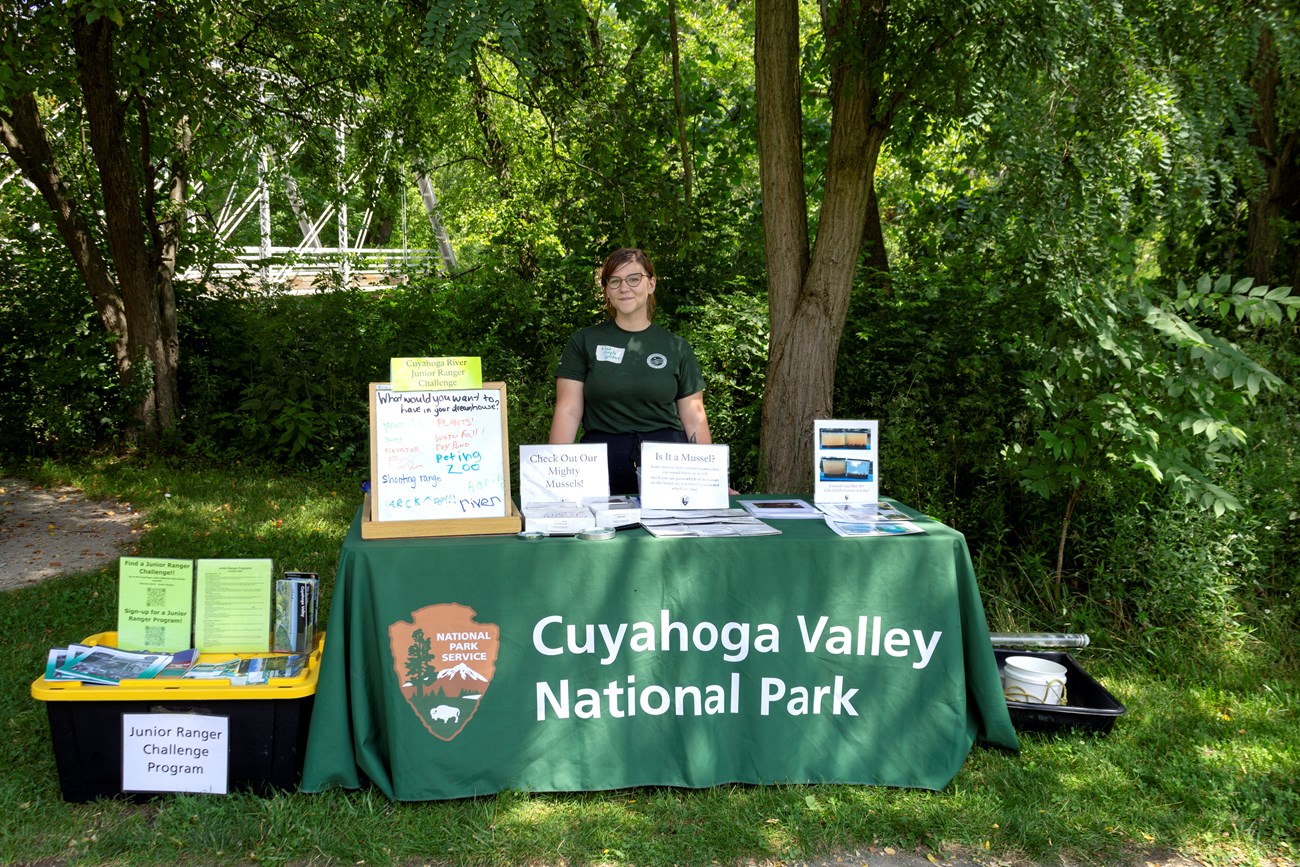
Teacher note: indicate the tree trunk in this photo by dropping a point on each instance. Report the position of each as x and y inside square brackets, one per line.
[876, 260]
[166, 251]
[25, 139]
[680, 107]
[144, 281]
[780, 150]
[494, 147]
[808, 295]
[1262, 237]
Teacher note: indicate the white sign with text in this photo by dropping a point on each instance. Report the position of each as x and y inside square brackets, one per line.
[569, 473]
[684, 476]
[175, 752]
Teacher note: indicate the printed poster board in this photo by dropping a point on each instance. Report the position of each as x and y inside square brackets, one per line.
[439, 463]
[846, 461]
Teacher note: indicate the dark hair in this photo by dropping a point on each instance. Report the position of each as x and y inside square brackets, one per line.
[618, 259]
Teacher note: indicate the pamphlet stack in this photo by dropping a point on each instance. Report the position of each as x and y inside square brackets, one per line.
[296, 603]
[172, 610]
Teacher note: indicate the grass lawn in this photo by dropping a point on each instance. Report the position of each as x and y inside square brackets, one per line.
[1205, 763]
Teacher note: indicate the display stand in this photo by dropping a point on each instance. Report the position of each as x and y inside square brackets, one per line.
[372, 529]
[439, 464]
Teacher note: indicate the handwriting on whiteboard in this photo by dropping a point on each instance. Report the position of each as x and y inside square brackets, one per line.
[439, 454]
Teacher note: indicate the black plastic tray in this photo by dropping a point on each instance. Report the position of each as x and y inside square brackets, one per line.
[1091, 708]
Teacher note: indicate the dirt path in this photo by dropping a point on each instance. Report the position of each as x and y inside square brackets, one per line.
[53, 531]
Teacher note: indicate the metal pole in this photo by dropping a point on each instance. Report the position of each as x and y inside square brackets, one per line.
[343, 207]
[264, 216]
[1037, 639]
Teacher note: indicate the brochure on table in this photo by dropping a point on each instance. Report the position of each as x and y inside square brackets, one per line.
[108, 665]
[701, 523]
[872, 528]
[297, 610]
[866, 513]
[785, 508]
[684, 476]
[846, 480]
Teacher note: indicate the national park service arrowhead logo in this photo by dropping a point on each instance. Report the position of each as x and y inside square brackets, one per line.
[444, 661]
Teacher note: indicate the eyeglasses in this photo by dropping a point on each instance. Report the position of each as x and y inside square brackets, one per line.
[632, 280]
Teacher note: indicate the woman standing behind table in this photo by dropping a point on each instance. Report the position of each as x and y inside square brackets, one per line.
[627, 380]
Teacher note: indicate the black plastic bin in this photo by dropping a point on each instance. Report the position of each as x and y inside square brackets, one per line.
[268, 740]
[267, 724]
[1091, 708]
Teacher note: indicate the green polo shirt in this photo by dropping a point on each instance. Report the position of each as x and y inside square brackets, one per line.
[632, 380]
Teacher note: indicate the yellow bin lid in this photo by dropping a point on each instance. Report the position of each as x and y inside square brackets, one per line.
[181, 688]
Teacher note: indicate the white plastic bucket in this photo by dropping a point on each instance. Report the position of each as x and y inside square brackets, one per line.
[1033, 679]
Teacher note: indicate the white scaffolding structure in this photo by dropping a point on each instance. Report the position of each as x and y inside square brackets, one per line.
[299, 266]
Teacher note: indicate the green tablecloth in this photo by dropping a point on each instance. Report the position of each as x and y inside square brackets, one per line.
[464, 666]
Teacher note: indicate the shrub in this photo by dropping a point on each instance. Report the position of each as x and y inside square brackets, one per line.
[59, 389]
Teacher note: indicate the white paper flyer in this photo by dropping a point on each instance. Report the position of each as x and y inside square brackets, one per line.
[684, 476]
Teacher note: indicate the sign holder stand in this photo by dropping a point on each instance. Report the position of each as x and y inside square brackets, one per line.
[510, 522]
[503, 526]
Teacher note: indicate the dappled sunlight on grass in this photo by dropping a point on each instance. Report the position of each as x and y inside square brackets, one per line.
[583, 827]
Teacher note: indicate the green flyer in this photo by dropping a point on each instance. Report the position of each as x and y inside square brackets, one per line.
[232, 606]
[155, 603]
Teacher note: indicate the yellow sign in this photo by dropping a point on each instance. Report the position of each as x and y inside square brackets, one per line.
[435, 374]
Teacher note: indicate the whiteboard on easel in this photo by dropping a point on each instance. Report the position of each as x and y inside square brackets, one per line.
[438, 455]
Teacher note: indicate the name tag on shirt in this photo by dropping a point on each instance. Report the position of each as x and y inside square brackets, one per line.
[613, 354]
